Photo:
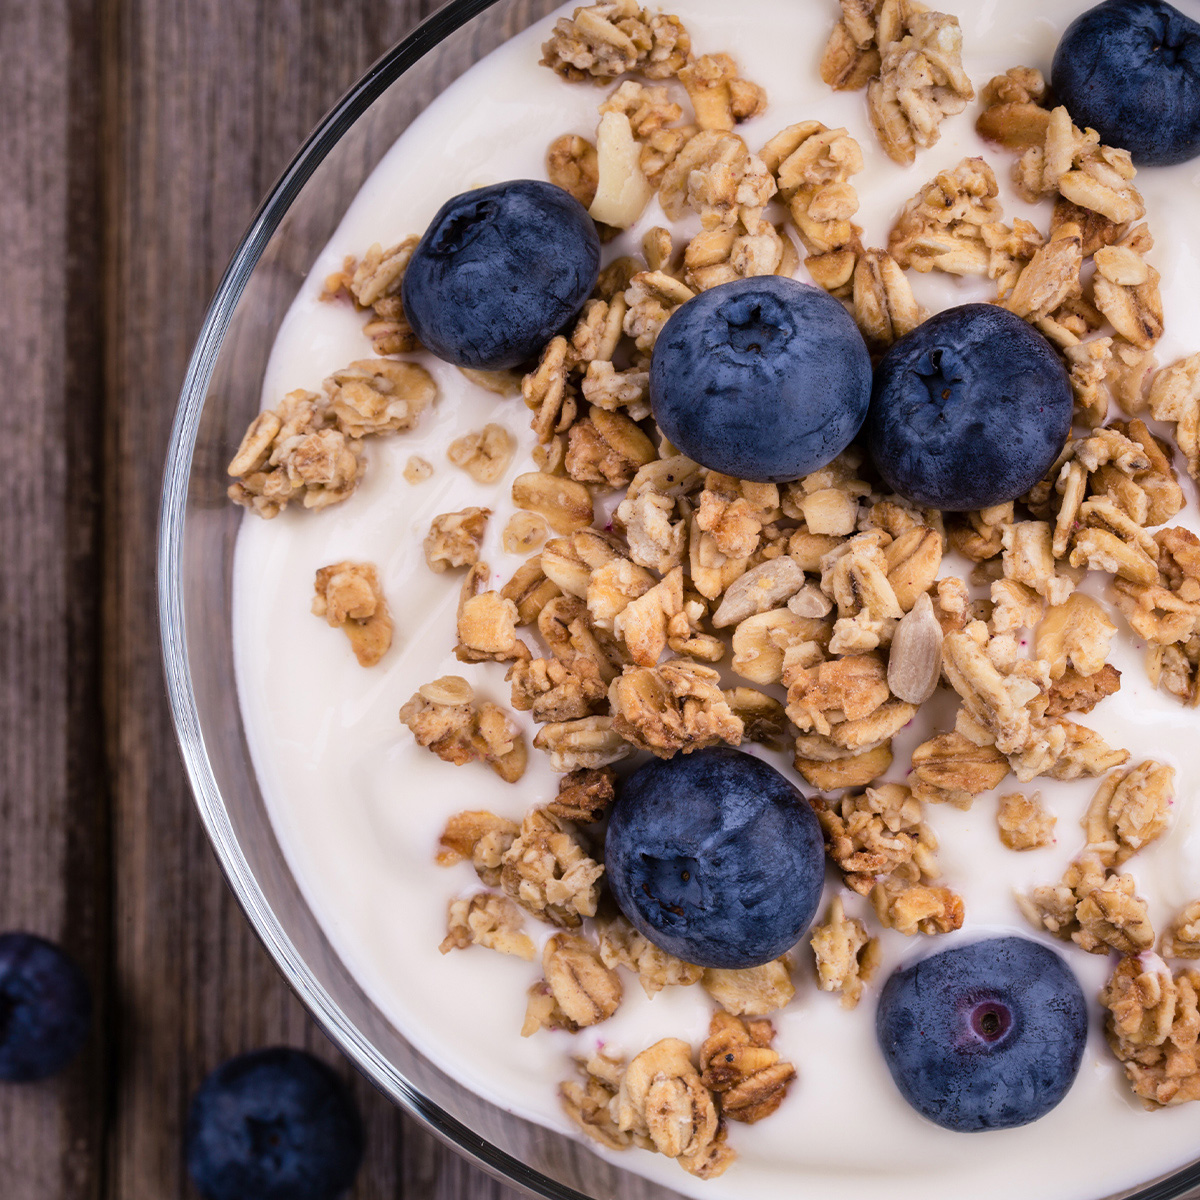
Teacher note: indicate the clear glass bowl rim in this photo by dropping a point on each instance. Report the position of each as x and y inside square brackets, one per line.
[206, 793]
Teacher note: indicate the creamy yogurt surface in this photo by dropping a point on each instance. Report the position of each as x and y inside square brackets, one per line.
[358, 807]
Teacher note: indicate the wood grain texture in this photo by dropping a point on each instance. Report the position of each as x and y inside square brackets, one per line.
[139, 137]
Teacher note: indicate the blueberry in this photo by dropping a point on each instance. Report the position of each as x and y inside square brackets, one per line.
[276, 1124]
[45, 1008]
[984, 1036]
[715, 857]
[969, 410]
[499, 272]
[1130, 69]
[765, 379]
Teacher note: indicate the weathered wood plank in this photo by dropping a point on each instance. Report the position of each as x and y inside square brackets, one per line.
[205, 102]
[53, 801]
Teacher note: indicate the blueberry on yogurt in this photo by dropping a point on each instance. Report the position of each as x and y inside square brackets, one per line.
[969, 410]
[499, 272]
[715, 857]
[765, 379]
[45, 1008]
[984, 1036]
[275, 1124]
[1130, 69]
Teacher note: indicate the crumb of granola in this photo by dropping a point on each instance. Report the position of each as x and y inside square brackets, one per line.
[582, 991]
[1025, 822]
[454, 539]
[846, 957]
[374, 283]
[605, 40]
[417, 469]
[1130, 810]
[524, 533]
[1182, 938]
[751, 991]
[445, 718]
[487, 920]
[676, 706]
[480, 837]
[349, 597]
[740, 1067]
[622, 945]
[916, 908]
[584, 796]
[548, 873]
[484, 455]
[379, 395]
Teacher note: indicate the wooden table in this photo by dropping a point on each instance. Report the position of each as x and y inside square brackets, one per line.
[138, 137]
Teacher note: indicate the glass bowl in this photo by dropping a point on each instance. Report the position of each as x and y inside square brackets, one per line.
[198, 528]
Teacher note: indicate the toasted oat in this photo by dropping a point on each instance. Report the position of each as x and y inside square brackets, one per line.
[1182, 938]
[734, 511]
[294, 452]
[716, 176]
[602, 41]
[549, 391]
[839, 769]
[1099, 912]
[676, 706]
[921, 81]
[548, 873]
[530, 591]
[445, 718]
[846, 957]
[590, 1103]
[1129, 810]
[379, 395]
[524, 532]
[1025, 822]
[481, 837]
[741, 1068]
[1075, 634]
[622, 945]
[763, 716]
[1152, 1028]
[583, 796]
[832, 693]
[655, 540]
[375, 283]
[1050, 278]
[606, 447]
[915, 908]
[582, 744]
[652, 296]
[1076, 693]
[566, 628]
[487, 622]
[484, 455]
[564, 504]
[580, 990]
[884, 305]
[1029, 559]
[349, 597]
[1014, 114]
[751, 991]
[662, 1099]
[551, 691]
[1175, 396]
[454, 539]
[951, 769]
[487, 920]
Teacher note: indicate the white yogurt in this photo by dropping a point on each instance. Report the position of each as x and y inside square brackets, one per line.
[358, 807]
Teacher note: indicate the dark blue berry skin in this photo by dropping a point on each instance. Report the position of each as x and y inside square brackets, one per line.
[970, 409]
[765, 379]
[499, 272]
[984, 1036]
[715, 857]
[1130, 69]
[45, 1008]
[275, 1124]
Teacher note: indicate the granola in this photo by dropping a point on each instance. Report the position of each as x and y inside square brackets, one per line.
[1025, 822]
[846, 957]
[487, 920]
[751, 991]
[739, 1066]
[349, 597]
[454, 539]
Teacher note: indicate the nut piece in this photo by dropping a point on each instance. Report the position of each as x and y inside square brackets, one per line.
[480, 836]
[583, 796]
[751, 991]
[621, 944]
[484, 455]
[1025, 822]
[580, 989]
[454, 539]
[349, 597]
[845, 956]
[444, 718]
[1154, 1018]
[740, 1067]
[487, 920]
[622, 190]
[676, 706]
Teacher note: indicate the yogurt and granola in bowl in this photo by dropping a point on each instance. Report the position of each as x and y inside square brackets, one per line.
[549, 589]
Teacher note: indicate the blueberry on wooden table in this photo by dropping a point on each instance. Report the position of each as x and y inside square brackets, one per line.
[715, 857]
[499, 272]
[984, 1036]
[45, 1008]
[274, 1124]
[765, 379]
[1130, 69]
[969, 410]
